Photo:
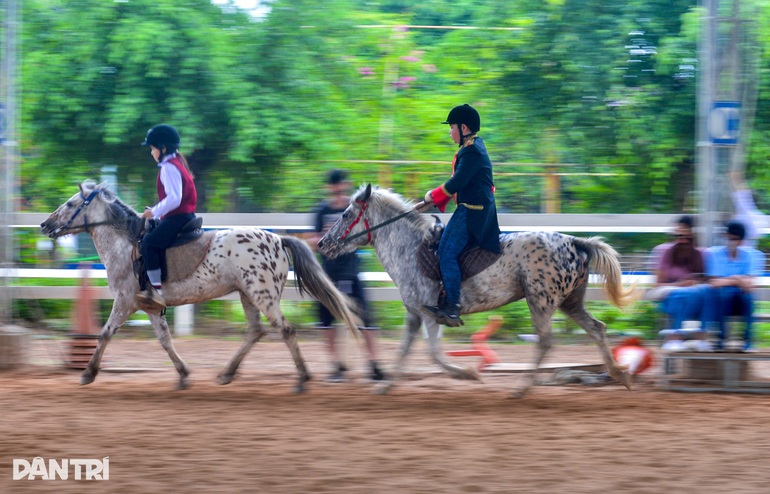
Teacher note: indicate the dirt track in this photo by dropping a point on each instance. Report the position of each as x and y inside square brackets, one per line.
[431, 435]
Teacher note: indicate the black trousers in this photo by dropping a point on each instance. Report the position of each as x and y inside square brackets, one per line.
[354, 289]
[155, 243]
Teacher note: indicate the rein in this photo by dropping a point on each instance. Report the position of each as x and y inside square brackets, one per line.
[344, 238]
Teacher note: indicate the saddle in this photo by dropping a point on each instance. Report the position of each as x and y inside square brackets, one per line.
[472, 261]
[183, 256]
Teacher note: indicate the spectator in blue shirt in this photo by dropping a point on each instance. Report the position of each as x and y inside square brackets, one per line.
[731, 269]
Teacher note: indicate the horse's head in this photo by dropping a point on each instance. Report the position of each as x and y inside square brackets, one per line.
[85, 209]
[351, 230]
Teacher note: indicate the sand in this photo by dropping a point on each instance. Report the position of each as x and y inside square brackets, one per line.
[432, 434]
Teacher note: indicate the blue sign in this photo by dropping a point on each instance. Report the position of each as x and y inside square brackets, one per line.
[724, 122]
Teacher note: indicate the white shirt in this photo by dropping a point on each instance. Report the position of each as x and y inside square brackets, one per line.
[171, 180]
[747, 213]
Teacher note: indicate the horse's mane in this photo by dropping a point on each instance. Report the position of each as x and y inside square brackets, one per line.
[394, 203]
[117, 211]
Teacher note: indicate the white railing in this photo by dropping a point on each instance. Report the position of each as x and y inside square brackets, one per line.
[303, 222]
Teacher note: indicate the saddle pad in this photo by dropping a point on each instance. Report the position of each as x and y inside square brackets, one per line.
[182, 261]
[472, 261]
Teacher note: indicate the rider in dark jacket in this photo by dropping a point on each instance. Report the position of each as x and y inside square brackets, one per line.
[474, 222]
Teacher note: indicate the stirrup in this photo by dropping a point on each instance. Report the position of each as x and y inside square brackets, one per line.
[150, 300]
[445, 315]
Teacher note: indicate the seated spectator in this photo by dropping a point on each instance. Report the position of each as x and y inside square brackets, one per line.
[679, 278]
[731, 269]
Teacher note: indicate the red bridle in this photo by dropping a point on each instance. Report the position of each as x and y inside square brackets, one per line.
[355, 222]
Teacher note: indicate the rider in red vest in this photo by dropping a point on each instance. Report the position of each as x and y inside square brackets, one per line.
[177, 199]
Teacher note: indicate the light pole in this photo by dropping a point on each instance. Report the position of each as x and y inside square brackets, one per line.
[8, 139]
[727, 91]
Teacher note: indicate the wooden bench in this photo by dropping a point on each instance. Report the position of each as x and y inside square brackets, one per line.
[713, 372]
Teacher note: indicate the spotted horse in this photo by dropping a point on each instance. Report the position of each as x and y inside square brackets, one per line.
[253, 262]
[549, 270]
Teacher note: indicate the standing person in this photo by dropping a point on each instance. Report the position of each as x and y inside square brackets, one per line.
[177, 199]
[344, 272]
[474, 222]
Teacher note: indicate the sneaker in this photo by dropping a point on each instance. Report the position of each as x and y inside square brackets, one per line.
[336, 377]
[150, 300]
[703, 346]
[376, 374]
[749, 348]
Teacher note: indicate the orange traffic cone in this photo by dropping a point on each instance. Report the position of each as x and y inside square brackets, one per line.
[479, 347]
[84, 333]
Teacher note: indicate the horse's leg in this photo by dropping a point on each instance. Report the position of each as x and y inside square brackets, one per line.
[160, 325]
[254, 334]
[436, 352]
[573, 307]
[121, 311]
[541, 320]
[289, 335]
[413, 321]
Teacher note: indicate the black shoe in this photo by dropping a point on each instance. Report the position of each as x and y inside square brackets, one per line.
[376, 374]
[448, 315]
[338, 376]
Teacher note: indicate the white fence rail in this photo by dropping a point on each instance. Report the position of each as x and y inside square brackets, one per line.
[303, 222]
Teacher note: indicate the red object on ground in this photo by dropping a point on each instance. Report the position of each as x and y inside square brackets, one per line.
[85, 330]
[632, 354]
[479, 346]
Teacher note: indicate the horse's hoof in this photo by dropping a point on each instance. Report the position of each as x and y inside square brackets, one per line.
[467, 374]
[519, 394]
[300, 389]
[381, 388]
[183, 384]
[627, 380]
[86, 378]
[225, 379]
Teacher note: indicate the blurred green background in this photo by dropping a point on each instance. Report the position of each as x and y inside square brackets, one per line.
[600, 94]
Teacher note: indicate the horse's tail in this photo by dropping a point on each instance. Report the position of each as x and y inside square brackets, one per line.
[607, 263]
[312, 279]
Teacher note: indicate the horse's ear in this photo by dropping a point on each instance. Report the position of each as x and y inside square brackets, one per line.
[367, 192]
[86, 186]
[106, 193]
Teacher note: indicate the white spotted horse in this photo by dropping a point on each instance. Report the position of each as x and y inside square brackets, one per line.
[251, 261]
[549, 270]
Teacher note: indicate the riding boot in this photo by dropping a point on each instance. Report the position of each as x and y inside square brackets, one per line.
[150, 299]
[446, 314]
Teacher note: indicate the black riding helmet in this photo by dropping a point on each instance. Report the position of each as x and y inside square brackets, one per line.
[162, 135]
[464, 114]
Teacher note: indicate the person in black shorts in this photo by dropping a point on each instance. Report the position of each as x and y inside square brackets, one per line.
[344, 272]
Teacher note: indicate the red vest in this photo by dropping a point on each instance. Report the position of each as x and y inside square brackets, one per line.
[189, 194]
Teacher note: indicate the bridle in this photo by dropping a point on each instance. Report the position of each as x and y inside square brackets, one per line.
[62, 230]
[368, 231]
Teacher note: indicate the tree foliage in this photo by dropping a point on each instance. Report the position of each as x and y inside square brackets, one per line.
[266, 106]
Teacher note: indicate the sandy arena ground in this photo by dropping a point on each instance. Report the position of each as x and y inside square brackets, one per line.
[431, 435]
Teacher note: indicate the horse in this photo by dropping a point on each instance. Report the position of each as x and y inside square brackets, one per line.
[549, 270]
[251, 261]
